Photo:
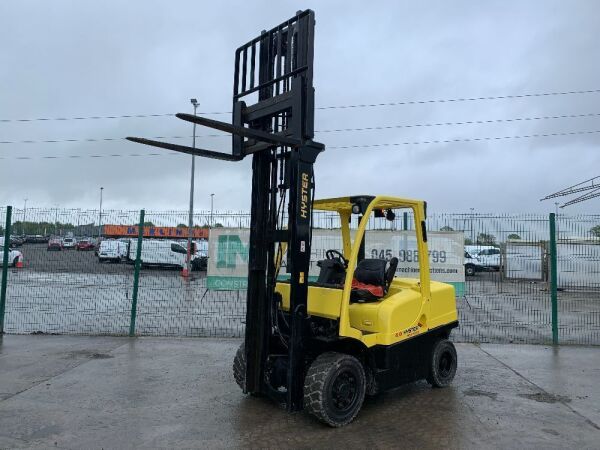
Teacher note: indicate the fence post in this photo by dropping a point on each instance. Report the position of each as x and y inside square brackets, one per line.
[405, 221]
[136, 274]
[553, 279]
[6, 251]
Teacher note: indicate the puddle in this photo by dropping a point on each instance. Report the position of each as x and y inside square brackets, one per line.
[480, 393]
[545, 397]
[88, 354]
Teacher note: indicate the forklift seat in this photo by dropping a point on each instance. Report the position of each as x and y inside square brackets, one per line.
[372, 279]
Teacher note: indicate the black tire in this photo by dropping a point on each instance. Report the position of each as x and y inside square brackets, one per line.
[15, 261]
[239, 367]
[469, 270]
[442, 363]
[334, 388]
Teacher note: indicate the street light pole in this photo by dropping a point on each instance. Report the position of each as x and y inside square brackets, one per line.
[191, 216]
[211, 211]
[472, 229]
[56, 220]
[24, 210]
[100, 215]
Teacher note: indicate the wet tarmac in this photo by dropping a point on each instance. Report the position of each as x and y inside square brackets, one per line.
[110, 392]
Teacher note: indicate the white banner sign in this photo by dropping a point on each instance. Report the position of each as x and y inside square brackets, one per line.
[228, 255]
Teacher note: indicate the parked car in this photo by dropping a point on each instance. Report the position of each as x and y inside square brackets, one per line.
[112, 250]
[69, 243]
[15, 257]
[36, 239]
[85, 245]
[55, 244]
[16, 241]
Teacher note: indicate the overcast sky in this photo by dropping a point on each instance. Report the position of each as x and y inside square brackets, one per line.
[73, 58]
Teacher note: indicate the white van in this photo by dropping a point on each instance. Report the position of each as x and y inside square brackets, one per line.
[112, 250]
[474, 250]
[165, 253]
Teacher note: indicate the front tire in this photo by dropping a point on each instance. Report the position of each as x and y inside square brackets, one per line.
[239, 367]
[442, 364]
[334, 388]
[469, 270]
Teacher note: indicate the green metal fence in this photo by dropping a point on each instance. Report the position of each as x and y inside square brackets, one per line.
[537, 278]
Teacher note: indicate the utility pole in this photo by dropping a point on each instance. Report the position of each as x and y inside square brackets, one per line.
[100, 215]
[188, 270]
[210, 225]
[24, 210]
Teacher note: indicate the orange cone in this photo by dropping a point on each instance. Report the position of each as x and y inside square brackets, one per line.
[20, 264]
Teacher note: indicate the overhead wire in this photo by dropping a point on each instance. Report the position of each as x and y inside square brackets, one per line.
[392, 144]
[334, 130]
[363, 105]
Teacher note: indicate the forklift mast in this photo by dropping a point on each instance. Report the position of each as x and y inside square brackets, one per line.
[273, 121]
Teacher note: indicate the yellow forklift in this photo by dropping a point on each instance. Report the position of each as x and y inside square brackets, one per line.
[369, 331]
[319, 345]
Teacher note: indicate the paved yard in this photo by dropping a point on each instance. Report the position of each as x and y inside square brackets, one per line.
[109, 392]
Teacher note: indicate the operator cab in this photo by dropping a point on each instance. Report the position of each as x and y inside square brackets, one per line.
[372, 276]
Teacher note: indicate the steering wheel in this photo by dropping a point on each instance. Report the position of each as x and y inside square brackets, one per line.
[337, 256]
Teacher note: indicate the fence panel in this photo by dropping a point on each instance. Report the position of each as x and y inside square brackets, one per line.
[508, 300]
[524, 261]
[578, 267]
[63, 287]
[494, 308]
[170, 304]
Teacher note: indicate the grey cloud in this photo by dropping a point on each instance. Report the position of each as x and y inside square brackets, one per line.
[67, 59]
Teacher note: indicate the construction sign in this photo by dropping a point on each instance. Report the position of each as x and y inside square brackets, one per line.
[228, 255]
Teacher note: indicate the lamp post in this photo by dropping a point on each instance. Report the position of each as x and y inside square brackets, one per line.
[556, 218]
[194, 103]
[56, 220]
[24, 210]
[100, 215]
[472, 229]
[211, 210]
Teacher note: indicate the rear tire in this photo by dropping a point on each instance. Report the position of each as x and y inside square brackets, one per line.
[469, 270]
[442, 364]
[334, 388]
[15, 261]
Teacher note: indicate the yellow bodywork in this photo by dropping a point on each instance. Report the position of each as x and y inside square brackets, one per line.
[411, 307]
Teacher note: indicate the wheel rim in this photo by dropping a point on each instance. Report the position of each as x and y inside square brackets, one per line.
[445, 364]
[344, 392]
